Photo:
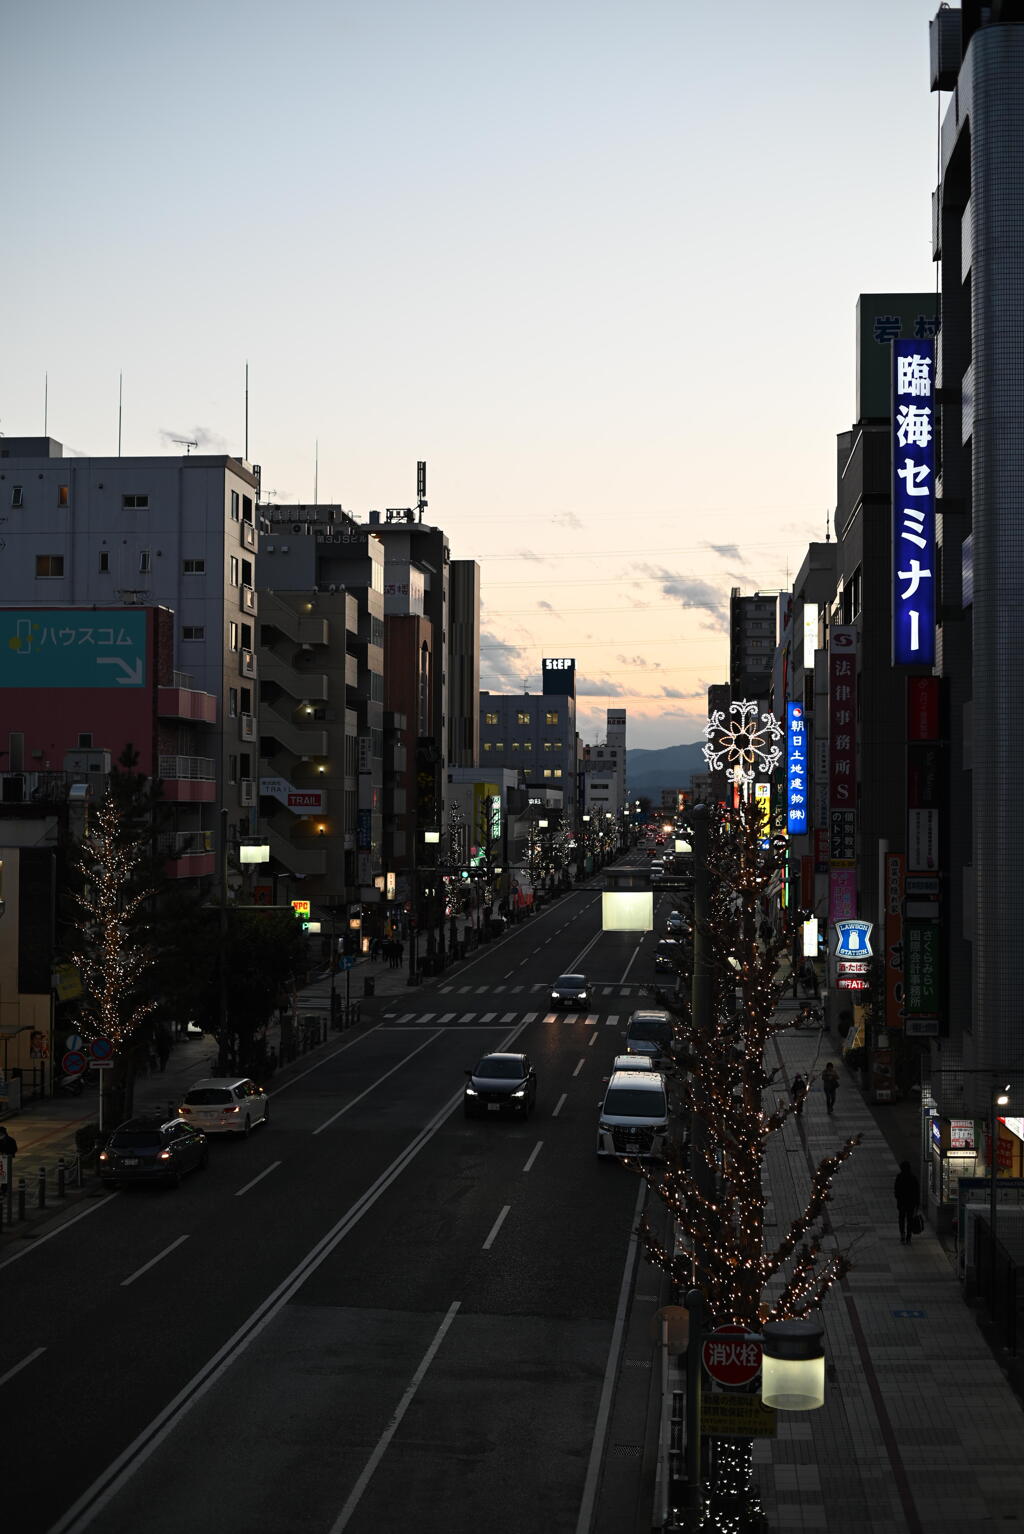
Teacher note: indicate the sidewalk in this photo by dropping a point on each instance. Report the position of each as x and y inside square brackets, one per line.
[920, 1428]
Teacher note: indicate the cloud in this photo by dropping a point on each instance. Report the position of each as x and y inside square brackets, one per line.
[567, 519]
[697, 693]
[548, 608]
[690, 592]
[725, 550]
[639, 660]
[587, 688]
[504, 667]
[673, 692]
[529, 554]
[204, 439]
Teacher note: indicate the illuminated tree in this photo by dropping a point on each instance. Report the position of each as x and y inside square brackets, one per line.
[714, 1191]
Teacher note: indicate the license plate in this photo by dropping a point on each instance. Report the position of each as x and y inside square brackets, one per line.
[130, 1161]
[493, 1107]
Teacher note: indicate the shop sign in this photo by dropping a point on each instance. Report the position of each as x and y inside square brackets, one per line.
[852, 967]
[922, 708]
[921, 953]
[842, 840]
[922, 1027]
[881, 1075]
[853, 983]
[895, 879]
[853, 939]
[961, 1134]
[842, 717]
[922, 839]
[796, 761]
[842, 893]
[913, 503]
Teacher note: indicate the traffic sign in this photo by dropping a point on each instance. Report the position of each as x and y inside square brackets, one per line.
[73, 1063]
[74, 1041]
[731, 1356]
[101, 1049]
[346, 961]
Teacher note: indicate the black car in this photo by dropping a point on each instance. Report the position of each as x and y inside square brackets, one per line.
[570, 991]
[152, 1150]
[675, 924]
[669, 954]
[497, 1084]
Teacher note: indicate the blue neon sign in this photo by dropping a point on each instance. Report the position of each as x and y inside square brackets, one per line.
[796, 769]
[913, 503]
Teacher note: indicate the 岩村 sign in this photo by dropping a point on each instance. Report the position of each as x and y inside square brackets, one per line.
[853, 939]
[913, 502]
[796, 773]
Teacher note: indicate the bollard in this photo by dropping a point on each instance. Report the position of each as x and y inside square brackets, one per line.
[41, 1196]
[22, 1195]
[62, 1173]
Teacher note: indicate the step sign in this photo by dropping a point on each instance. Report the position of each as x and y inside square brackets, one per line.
[101, 1049]
[73, 1063]
[74, 1041]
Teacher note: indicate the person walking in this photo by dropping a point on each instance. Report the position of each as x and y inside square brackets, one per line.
[798, 1091]
[830, 1085]
[8, 1144]
[907, 1190]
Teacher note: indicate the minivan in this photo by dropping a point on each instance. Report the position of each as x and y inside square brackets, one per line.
[649, 1032]
[634, 1116]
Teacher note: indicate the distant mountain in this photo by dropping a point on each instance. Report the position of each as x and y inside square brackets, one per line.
[648, 772]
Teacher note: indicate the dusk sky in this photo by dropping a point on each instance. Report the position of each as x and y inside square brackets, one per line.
[597, 262]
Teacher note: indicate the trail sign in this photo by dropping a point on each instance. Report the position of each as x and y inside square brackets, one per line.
[731, 1357]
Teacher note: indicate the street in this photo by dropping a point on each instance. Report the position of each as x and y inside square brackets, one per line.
[370, 1311]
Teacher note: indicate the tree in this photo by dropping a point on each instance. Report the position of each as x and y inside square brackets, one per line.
[111, 951]
[715, 1195]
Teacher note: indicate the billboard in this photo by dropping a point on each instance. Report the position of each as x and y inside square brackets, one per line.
[796, 769]
[70, 647]
[883, 318]
[913, 503]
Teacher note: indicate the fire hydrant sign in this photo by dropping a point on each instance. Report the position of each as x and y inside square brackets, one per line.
[731, 1357]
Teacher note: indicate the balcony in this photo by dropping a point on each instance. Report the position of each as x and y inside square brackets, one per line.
[302, 859]
[189, 854]
[302, 628]
[247, 792]
[247, 663]
[185, 703]
[248, 599]
[248, 535]
[247, 726]
[188, 779]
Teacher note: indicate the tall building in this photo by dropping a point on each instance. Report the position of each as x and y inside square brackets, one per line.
[142, 535]
[604, 769]
[752, 633]
[535, 736]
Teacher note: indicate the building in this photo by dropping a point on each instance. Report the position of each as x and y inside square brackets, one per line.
[140, 535]
[535, 735]
[752, 633]
[604, 770]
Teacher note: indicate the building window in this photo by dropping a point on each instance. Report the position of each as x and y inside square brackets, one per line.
[527, 745]
[49, 566]
[135, 502]
[145, 561]
[246, 636]
[523, 717]
[233, 702]
[247, 581]
[246, 508]
[490, 719]
[547, 745]
[63, 494]
[232, 769]
[235, 506]
[104, 565]
[232, 636]
[233, 571]
[551, 717]
[515, 745]
[246, 700]
[556, 772]
[193, 567]
[499, 745]
[17, 495]
[487, 745]
[547, 772]
[193, 631]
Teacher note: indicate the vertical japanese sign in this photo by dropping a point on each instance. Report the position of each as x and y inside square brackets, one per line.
[913, 503]
[796, 769]
[842, 718]
[895, 873]
[763, 803]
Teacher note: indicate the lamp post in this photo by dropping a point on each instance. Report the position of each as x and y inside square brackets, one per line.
[1000, 1099]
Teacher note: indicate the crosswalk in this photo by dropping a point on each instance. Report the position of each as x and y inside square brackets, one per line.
[493, 1019]
[631, 988]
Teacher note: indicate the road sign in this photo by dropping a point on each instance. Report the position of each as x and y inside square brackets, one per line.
[73, 1063]
[346, 961]
[74, 1041]
[101, 1049]
[731, 1357]
[736, 1416]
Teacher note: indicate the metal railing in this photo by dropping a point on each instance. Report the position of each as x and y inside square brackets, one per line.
[202, 767]
[180, 843]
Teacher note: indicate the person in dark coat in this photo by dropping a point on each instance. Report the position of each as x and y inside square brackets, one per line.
[8, 1144]
[830, 1085]
[798, 1091]
[907, 1190]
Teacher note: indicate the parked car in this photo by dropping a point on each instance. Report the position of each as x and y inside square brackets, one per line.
[570, 991]
[225, 1105]
[152, 1150]
[649, 1033]
[500, 1083]
[634, 1116]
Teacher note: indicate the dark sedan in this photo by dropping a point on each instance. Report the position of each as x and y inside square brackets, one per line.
[152, 1150]
[570, 991]
[497, 1084]
[669, 954]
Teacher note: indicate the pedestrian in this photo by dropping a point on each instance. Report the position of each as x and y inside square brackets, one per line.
[399, 954]
[374, 948]
[163, 1045]
[830, 1085]
[271, 1060]
[8, 1144]
[798, 1091]
[809, 979]
[907, 1190]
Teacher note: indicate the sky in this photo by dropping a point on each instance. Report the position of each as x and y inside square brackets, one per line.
[595, 261]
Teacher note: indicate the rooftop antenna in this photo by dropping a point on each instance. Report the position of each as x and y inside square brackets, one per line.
[421, 486]
[828, 535]
[188, 443]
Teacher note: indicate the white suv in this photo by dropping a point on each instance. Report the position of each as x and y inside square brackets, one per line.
[634, 1116]
[225, 1105]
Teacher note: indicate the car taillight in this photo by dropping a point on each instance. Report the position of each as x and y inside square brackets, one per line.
[104, 1156]
[232, 1109]
[164, 1156]
[184, 1110]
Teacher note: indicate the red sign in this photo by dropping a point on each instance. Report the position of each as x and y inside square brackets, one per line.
[310, 800]
[73, 1063]
[731, 1357]
[923, 708]
[842, 719]
[853, 983]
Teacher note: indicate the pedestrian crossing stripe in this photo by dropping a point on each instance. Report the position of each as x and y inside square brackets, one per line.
[492, 1019]
[629, 989]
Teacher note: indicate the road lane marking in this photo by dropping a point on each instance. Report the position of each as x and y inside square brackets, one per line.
[499, 1222]
[84, 1512]
[152, 1262]
[467, 1017]
[612, 1019]
[28, 1359]
[558, 1106]
[509, 975]
[529, 1163]
[264, 1173]
[446, 1017]
[374, 1084]
[529, 1017]
[629, 966]
[507, 1017]
[488, 1017]
[33, 1246]
[592, 1039]
[591, 1019]
[381, 1447]
[597, 1447]
[580, 1065]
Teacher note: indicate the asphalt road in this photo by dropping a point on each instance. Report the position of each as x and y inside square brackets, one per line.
[373, 1314]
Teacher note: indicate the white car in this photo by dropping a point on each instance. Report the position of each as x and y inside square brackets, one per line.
[225, 1105]
[634, 1116]
[632, 1063]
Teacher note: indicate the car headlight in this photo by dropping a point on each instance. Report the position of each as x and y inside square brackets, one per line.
[605, 1128]
[471, 1092]
[519, 1092]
